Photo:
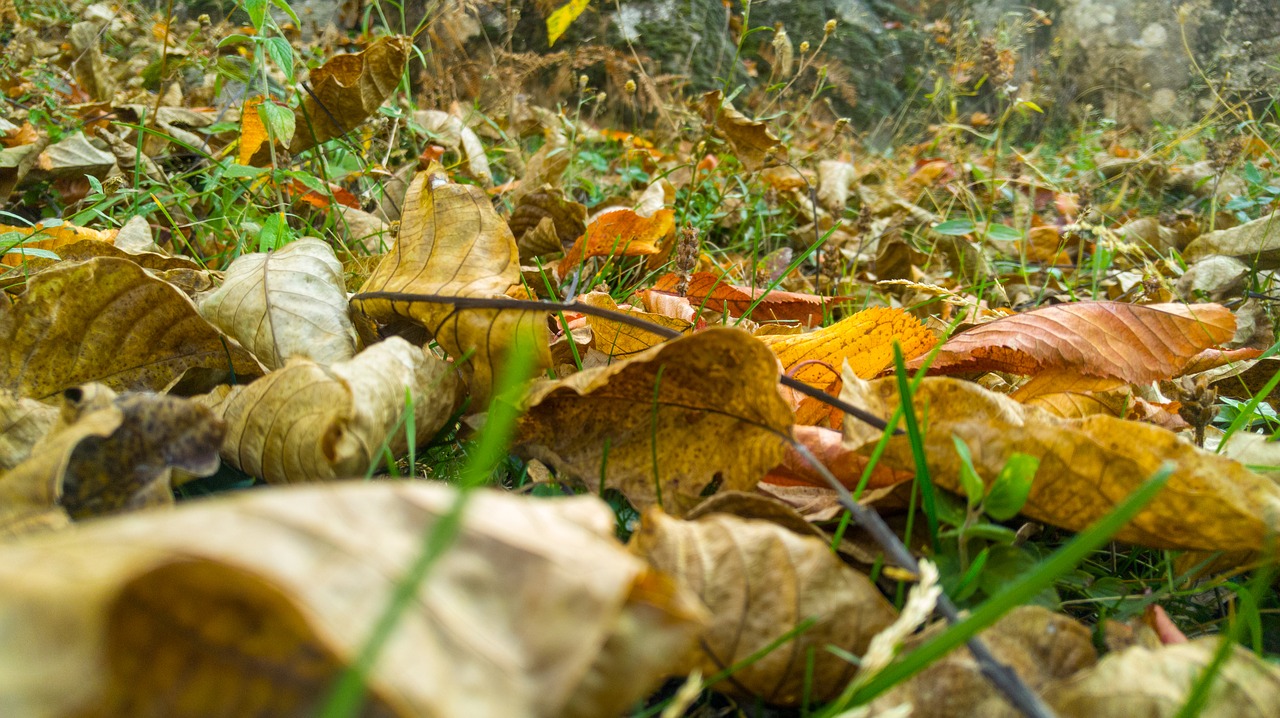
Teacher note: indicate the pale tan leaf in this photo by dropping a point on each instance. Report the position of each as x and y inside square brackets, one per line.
[107, 320]
[1256, 242]
[664, 425]
[1157, 683]
[23, 422]
[312, 422]
[759, 581]
[252, 605]
[286, 303]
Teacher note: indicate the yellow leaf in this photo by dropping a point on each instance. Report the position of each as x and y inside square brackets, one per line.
[560, 20]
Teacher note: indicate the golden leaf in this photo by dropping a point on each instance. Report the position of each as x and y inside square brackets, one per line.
[23, 422]
[620, 340]
[347, 89]
[107, 320]
[665, 425]
[15, 240]
[751, 141]
[1089, 465]
[452, 243]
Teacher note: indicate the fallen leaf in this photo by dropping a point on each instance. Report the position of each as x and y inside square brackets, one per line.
[15, 241]
[453, 244]
[23, 422]
[347, 89]
[1256, 242]
[621, 233]
[827, 446]
[534, 609]
[286, 303]
[253, 148]
[1134, 342]
[751, 141]
[564, 221]
[110, 453]
[706, 405]
[759, 581]
[1039, 645]
[450, 131]
[107, 320]
[1064, 393]
[621, 340]
[310, 422]
[1145, 682]
[716, 294]
[1089, 465]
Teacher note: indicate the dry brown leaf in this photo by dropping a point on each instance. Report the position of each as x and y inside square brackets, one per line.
[621, 233]
[621, 340]
[751, 141]
[450, 131]
[1256, 242]
[23, 422]
[313, 422]
[1039, 645]
[1089, 465]
[667, 424]
[534, 610]
[545, 222]
[760, 581]
[108, 454]
[1157, 683]
[347, 89]
[286, 303]
[1064, 393]
[453, 244]
[1134, 342]
[107, 320]
[716, 294]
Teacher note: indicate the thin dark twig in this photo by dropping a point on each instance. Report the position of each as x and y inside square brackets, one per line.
[538, 306]
[1000, 675]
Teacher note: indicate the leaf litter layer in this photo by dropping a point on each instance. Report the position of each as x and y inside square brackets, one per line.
[319, 280]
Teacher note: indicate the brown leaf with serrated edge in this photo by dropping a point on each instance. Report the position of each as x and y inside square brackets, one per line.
[347, 89]
[666, 426]
[760, 581]
[108, 454]
[286, 303]
[311, 422]
[1040, 646]
[1140, 681]
[621, 340]
[752, 142]
[1134, 342]
[717, 294]
[23, 422]
[254, 604]
[452, 243]
[621, 233]
[107, 320]
[14, 241]
[1087, 466]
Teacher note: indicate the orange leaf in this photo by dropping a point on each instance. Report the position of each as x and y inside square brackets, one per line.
[865, 340]
[253, 134]
[1137, 343]
[47, 238]
[621, 233]
[715, 293]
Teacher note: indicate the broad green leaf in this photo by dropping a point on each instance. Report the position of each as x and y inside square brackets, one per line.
[1011, 488]
[275, 233]
[955, 227]
[257, 10]
[1003, 233]
[279, 120]
[973, 486]
[281, 54]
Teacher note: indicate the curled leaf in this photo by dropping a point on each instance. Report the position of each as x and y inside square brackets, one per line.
[621, 233]
[759, 581]
[146, 615]
[347, 89]
[310, 422]
[752, 142]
